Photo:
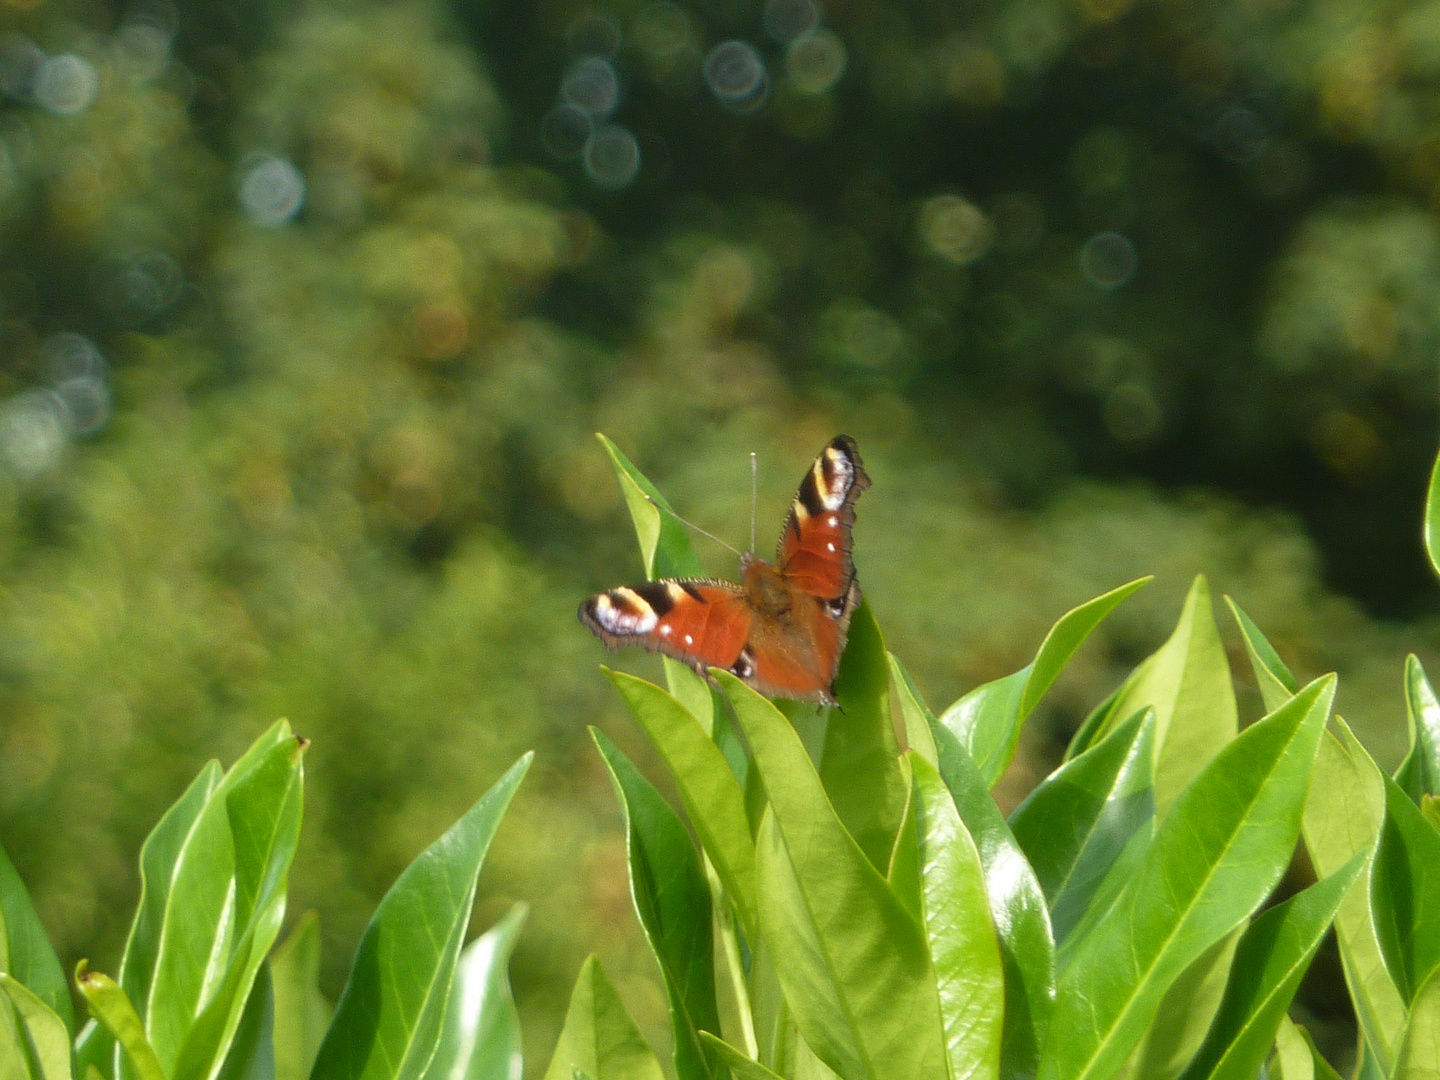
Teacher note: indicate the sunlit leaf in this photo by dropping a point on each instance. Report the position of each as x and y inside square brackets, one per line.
[1271, 675]
[111, 1006]
[1419, 1053]
[1419, 773]
[599, 1039]
[955, 911]
[481, 1037]
[1180, 1023]
[1017, 909]
[672, 900]
[1405, 893]
[1271, 959]
[1295, 1055]
[1076, 822]
[301, 1012]
[742, 1067]
[915, 715]
[1432, 517]
[46, 1038]
[860, 763]
[853, 963]
[394, 1004]
[25, 951]
[1343, 817]
[250, 1054]
[1215, 858]
[712, 797]
[987, 720]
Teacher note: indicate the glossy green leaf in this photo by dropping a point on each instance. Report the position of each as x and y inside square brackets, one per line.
[860, 766]
[1430, 810]
[111, 1006]
[742, 1067]
[212, 896]
[1419, 1053]
[1187, 681]
[712, 797]
[1271, 959]
[1343, 816]
[599, 1038]
[853, 964]
[1432, 517]
[1180, 1023]
[481, 1037]
[1215, 858]
[1097, 722]
[987, 720]
[95, 1050]
[25, 951]
[1405, 893]
[394, 1004]
[1108, 894]
[1276, 683]
[1017, 909]
[915, 715]
[1295, 1055]
[301, 1012]
[672, 900]
[1419, 773]
[1077, 821]
[262, 802]
[251, 1053]
[955, 913]
[45, 1036]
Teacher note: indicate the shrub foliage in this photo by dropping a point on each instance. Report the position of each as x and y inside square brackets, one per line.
[847, 898]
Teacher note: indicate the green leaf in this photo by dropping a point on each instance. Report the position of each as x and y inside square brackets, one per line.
[46, 1038]
[1108, 894]
[712, 797]
[672, 899]
[1296, 1057]
[1097, 722]
[860, 767]
[262, 804]
[599, 1038]
[743, 1067]
[1276, 683]
[212, 893]
[853, 964]
[914, 713]
[301, 1012]
[1419, 1055]
[251, 1053]
[1077, 821]
[1224, 846]
[955, 913]
[481, 1037]
[111, 1006]
[394, 1004]
[1405, 893]
[1419, 773]
[987, 720]
[1432, 518]
[1271, 959]
[1343, 817]
[1187, 681]
[95, 1049]
[1184, 1015]
[25, 951]
[1017, 909]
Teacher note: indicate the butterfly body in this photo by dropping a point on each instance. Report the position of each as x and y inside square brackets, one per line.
[782, 629]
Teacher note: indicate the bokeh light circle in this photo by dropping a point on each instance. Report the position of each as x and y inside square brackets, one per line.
[564, 131]
[272, 191]
[66, 84]
[34, 427]
[955, 228]
[1108, 260]
[591, 86]
[736, 75]
[816, 62]
[612, 157]
[70, 356]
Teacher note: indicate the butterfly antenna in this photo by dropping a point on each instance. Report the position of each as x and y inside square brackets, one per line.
[754, 494]
[692, 525]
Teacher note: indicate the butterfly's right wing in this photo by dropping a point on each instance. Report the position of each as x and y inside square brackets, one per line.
[702, 623]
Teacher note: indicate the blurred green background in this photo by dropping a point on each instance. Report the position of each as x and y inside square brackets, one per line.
[308, 312]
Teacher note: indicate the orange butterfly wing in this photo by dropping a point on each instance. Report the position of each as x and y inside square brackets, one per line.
[703, 623]
[814, 549]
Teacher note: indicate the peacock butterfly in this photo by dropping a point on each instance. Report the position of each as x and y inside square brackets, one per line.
[782, 629]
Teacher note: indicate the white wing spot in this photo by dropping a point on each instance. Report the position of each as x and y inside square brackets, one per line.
[834, 497]
[665, 631]
[829, 547]
[632, 615]
[689, 640]
[834, 521]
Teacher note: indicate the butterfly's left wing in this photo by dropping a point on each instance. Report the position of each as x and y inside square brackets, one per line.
[814, 550]
[702, 623]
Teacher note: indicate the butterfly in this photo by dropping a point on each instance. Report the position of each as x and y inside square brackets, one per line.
[782, 629]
